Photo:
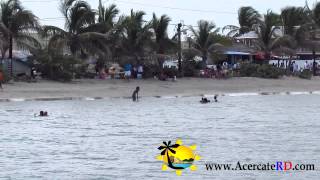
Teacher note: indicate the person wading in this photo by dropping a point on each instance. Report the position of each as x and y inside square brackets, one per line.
[135, 94]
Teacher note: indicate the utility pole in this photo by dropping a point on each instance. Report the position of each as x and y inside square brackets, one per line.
[100, 11]
[180, 50]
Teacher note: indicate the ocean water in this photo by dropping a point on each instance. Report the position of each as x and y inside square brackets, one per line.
[118, 139]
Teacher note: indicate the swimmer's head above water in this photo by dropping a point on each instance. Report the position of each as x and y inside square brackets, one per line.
[43, 113]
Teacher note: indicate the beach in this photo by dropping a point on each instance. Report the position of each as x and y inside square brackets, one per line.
[151, 87]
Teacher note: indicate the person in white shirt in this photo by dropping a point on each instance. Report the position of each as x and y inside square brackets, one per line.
[140, 72]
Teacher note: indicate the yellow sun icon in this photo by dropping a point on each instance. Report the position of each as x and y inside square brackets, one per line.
[178, 156]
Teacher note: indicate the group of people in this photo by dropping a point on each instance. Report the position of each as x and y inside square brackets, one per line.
[205, 100]
[220, 70]
[116, 72]
[135, 72]
[294, 67]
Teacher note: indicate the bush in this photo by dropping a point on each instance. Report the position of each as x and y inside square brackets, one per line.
[262, 71]
[171, 72]
[306, 74]
[6, 75]
[191, 68]
[248, 70]
[63, 76]
[269, 72]
[150, 71]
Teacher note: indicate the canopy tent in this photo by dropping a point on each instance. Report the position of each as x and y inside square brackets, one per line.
[237, 53]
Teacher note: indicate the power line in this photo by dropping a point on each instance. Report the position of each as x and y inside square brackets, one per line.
[176, 8]
[39, 1]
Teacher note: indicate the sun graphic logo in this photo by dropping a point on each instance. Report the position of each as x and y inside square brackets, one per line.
[178, 157]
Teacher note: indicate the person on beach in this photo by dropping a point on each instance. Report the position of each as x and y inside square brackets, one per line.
[33, 73]
[127, 71]
[140, 72]
[135, 94]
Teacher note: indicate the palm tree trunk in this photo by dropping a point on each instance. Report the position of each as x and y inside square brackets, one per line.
[314, 63]
[10, 53]
[204, 61]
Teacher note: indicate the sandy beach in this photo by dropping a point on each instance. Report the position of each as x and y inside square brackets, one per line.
[151, 87]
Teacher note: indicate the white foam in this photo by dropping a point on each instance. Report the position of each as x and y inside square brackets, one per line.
[88, 99]
[242, 94]
[300, 93]
[168, 97]
[316, 92]
[17, 99]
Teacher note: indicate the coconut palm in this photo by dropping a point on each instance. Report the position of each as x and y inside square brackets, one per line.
[16, 26]
[292, 18]
[268, 39]
[308, 32]
[136, 35]
[163, 44]
[79, 38]
[108, 14]
[247, 17]
[204, 39]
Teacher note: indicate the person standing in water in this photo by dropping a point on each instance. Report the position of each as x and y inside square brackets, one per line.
[135, 95]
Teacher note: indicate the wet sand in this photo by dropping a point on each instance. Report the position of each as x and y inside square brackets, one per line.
[151, 87]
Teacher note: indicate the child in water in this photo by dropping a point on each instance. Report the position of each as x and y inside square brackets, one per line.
[135, 95]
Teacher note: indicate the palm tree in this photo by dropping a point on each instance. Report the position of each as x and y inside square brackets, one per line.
[136, 35]
[292, 18]
[80, 37]
[163, 44]
[107, 15]
[268, 40]
[247, 17]
[204, 39]
[308, 32]
[16, 26]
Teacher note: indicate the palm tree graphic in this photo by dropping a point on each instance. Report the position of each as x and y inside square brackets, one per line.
[166, 148]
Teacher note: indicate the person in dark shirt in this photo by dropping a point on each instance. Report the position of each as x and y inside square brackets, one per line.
[216, 98]
[135, 95]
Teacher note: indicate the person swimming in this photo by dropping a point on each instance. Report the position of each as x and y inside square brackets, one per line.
[135, 94]
[204, 100]
[215, 98]
[43, 114]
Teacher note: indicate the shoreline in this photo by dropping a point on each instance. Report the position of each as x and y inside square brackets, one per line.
[160, 97]
[92, 89]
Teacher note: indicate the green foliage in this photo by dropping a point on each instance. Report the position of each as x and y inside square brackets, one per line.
[261, 71]
[56, 67]
[191, 68]
[6, 75]
[171, 72]
[247, 17]
[15, 24]
[306, 74]
[205, 37]
[151, 70]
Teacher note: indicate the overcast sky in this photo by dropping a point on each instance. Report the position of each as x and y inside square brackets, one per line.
[221, 12]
